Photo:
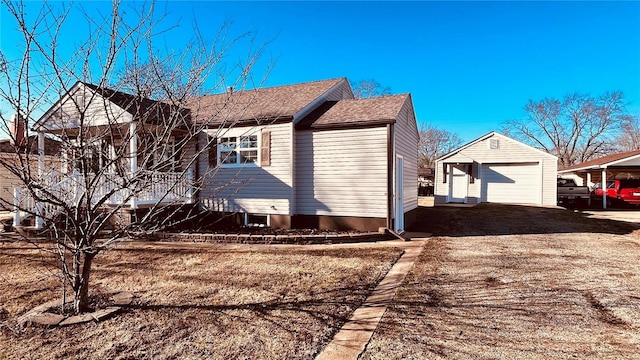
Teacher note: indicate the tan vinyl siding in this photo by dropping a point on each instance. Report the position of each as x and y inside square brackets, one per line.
[509, 152]
[187, 154]
[342, 172]
[252, 189]
[406, 144]
[9, 180]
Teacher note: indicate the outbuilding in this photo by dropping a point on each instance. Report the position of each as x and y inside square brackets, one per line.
[496, 169]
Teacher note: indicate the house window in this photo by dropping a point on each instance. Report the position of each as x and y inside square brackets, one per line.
[238, 150]
[256, 220]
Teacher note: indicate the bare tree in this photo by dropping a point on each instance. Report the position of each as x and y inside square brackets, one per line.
[127, 146]
[434, 143]
[629, 138]
[370, 88]
[575, 129]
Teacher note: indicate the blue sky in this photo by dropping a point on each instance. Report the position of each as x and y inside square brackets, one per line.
[468, 65]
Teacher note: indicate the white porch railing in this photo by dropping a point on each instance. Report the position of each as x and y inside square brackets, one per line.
[150, 187]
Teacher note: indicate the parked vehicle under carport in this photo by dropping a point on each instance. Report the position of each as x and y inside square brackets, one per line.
[623, 192]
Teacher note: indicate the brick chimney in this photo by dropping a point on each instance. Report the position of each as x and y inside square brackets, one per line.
[17, 130]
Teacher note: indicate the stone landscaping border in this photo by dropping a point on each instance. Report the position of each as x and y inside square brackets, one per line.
[40, 316]
[305, 239]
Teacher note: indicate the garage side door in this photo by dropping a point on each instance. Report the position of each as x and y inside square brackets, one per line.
[511, 183]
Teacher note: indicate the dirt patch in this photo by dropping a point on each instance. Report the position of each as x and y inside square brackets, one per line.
[560, 286]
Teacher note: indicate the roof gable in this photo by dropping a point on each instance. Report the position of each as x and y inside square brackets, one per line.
[355, 112]
[102, 106]
[500, 136]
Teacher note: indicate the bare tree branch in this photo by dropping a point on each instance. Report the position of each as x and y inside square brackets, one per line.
[575, 129]
[434, 143]
[125, 142]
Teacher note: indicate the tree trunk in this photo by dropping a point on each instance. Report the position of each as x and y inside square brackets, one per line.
[81, 301]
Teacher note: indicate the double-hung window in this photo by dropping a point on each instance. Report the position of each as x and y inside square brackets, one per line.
[238, 150]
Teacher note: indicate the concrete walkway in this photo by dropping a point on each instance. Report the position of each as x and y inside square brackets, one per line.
[355, 334]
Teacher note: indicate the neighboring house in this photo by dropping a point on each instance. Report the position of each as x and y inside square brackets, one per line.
[302, 155]
[496, 169]
[20, 151]
[625, 165]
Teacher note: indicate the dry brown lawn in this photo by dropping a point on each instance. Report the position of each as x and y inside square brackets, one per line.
[509, 282]
[196, 303]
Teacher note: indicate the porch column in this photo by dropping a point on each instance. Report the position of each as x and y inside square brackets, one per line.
[39, 220]
[40, 154]
[589, 185]
[65, 162]
[190, 189]
[133, 157]
[604, 188]
[16, 206]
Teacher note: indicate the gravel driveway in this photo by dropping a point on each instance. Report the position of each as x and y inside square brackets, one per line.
[517, 283]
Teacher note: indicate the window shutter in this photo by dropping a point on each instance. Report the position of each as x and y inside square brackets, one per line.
[213, 151]
[265, 149]
[444, 173]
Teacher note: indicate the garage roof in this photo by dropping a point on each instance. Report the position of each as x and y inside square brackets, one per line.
[488, 135]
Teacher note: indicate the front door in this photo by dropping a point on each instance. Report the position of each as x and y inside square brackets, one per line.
[399, 214]
[458, 184]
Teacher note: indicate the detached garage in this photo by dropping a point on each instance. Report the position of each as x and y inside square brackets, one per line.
[497, 169]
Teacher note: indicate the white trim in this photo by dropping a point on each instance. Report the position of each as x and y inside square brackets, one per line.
[633, 157]
[292, 170]
[398, 202]
[600, 166]
[541, 183]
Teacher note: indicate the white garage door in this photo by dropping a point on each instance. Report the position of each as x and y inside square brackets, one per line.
[511, 183]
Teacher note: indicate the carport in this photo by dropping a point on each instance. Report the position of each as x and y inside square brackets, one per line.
[624, 165]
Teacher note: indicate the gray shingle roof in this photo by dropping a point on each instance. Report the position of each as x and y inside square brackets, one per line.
[264, 104]
[355, 112]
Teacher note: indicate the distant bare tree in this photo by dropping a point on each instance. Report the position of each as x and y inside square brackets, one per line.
[575, 129]
[629, 138]
[370, 88]
[434, 143]
[111, 156]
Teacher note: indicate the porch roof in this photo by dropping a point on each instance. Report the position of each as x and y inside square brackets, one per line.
[138, 108]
